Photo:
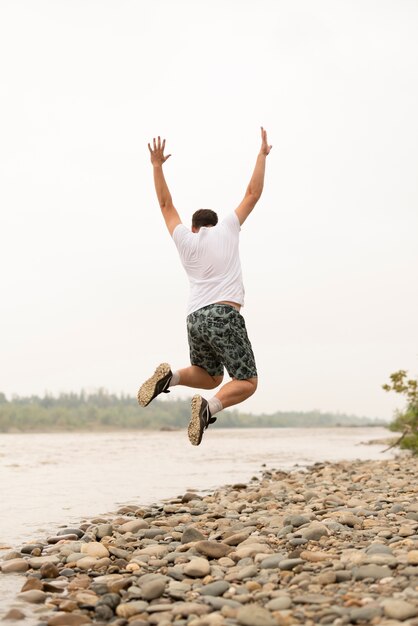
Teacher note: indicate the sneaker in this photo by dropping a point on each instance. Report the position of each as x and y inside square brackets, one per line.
[158, 383]
[200, 419]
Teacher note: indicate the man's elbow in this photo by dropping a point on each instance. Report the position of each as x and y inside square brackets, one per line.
[166, 206]
[254, 195]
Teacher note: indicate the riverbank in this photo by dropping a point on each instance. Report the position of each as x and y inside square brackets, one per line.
[334, 544]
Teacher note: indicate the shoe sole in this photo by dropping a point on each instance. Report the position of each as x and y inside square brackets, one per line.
[193, 430]
[147, 390]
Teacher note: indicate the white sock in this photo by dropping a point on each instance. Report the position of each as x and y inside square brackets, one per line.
[175, 379]
[215, 405]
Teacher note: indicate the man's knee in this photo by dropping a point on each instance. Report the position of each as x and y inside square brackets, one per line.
[217, 380]
[253, 384]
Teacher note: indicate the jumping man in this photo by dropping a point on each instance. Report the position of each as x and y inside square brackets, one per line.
[216, 329]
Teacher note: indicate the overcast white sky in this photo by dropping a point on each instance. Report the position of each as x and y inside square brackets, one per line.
[92, 292]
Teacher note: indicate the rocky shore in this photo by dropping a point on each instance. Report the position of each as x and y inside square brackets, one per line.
[335, 544]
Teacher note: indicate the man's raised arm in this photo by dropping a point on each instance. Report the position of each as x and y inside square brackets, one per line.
[255, 188]
[171, 217]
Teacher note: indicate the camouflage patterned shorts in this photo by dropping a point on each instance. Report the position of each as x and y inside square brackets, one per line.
[218, 338]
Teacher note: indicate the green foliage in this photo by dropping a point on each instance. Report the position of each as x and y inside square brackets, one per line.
[104, 411]
[407, 420]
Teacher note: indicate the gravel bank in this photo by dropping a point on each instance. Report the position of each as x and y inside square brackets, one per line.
[335, 544]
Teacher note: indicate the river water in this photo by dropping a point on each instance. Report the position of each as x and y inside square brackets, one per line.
[51, 480]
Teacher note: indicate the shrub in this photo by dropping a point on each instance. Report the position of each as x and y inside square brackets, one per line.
[407, 420]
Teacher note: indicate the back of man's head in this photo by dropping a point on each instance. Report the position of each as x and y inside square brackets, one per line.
[204, 217]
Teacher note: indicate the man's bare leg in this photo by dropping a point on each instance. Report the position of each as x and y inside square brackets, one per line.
[198, 378]
[232, 393]
[236, 391]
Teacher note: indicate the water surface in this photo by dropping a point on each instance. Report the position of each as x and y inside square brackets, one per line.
[56, 479]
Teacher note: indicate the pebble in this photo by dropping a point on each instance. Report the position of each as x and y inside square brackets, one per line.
[133, 526]
[36, 562]
[129, 609]
[279, 604]
[71, 531]
[14, 566]
[14, 615]
[399, 609]
[412, 557]
[254, 615]
[217, 588]
[212, 549]
[371, 571]
[153, 589]
[68, 619]
[271, 562]
[49, 570]
[288, 564]
[197, 568]
[332, 544]
[191, 534]
[34, 596]
[94, 549]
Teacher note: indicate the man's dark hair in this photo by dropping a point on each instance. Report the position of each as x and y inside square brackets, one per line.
[204, 217]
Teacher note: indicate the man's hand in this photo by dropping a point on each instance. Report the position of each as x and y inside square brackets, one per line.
[265, 148]
[157, 154]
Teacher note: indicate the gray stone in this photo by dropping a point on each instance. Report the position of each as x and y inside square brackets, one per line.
[54, 540]
[151, 533]
[178, 590]
[376, 572]
[289, 564]
[218, 602]
[310, 598]
[119, 553]
[71, 531]
[378, 548]
[286, 530]
[399, 609]
[153, 589]
[192, 534]
[298, 541]
[254, 615]
[271, 562]
[282, 603]
[110, 599]
[67, 571]
[217, 588]
[103, 612]
[365, 613]
[104, 530]
[189, 496]
[296, 520]
[410, 571]
[29, 547]
[36, 562]
[314, 531]
[249, 571]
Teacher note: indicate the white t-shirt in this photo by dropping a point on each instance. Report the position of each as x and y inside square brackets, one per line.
[211, 260]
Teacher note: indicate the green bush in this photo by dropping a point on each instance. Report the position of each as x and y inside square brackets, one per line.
[407, 420]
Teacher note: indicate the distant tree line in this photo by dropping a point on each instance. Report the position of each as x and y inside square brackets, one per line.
[105, 411]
